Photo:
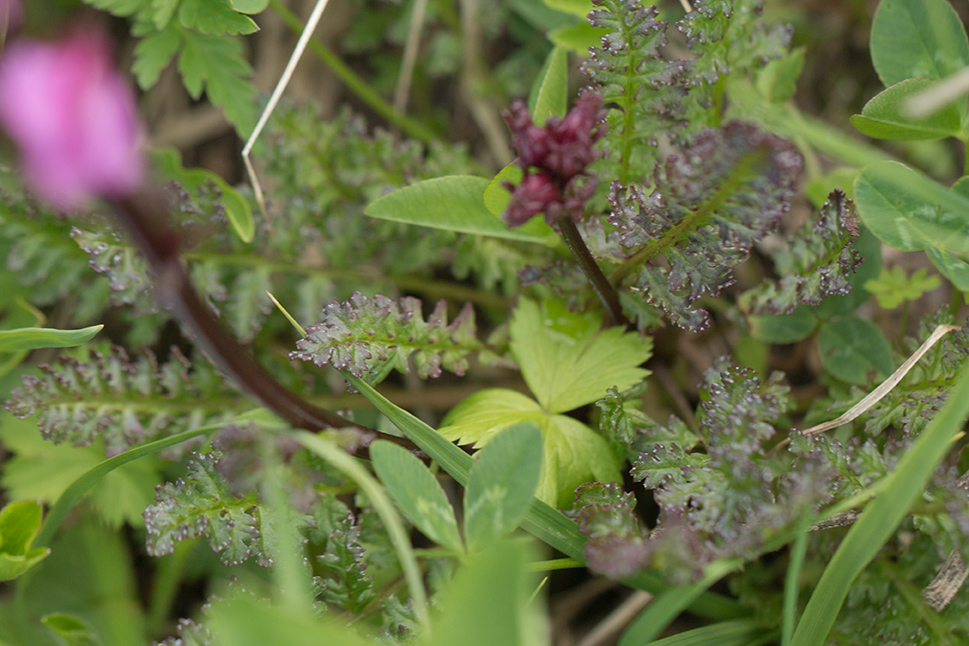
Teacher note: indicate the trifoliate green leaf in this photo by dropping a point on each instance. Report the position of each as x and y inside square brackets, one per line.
[573, 453]
[568, 361]
[154, 52]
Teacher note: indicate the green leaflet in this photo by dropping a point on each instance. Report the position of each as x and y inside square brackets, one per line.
[31, 338]
[573, 453]
[852, 347]
[501, 484]
[567, 360]
[883, 117]
[417, 493]
[214, 17]
[71, 630]
[917, 39]
[454, 203]
[548, 96]
[19, 525]
[908, 211]
[217, 65]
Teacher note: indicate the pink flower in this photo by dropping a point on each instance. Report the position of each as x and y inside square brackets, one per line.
[73, 117]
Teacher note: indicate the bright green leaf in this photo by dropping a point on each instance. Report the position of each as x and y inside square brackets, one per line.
[214, 17]
[487, 601]
[244, 620]
[883, 118]
[162, 12]
[31, 338]
[154, 52]
[784, 328]
[249, 6]
[121, 8]
[908, 211]
[577, 38]
[894, 287]
[43, 471]
[496, 196]
[567, 360]
[417, 493]
[19, 525]
[549, 94]
[851, 348]
[454, 203]
[917, 39]
[71, 630]
[501, 484]
[954, 269]
[216, 64]
[777, 81]
[573, 453]
[168, 165]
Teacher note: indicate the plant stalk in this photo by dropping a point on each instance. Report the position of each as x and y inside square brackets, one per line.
[148, 225]
[603, 288]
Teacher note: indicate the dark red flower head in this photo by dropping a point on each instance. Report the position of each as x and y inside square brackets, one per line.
[555, 159]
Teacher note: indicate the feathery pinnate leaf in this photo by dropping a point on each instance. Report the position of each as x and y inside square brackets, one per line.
[632, 75]
[709, 206]
[616, 546]
[817, 261]
[122, 401]
[347, 585]
[203, 506]
[729, 501]
[362, 335]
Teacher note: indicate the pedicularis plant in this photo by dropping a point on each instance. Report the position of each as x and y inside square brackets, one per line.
[588, 337]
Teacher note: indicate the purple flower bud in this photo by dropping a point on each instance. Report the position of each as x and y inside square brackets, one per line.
[73, 117]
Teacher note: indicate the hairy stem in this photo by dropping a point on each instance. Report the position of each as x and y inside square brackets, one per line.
[603, 288]
[147, 224]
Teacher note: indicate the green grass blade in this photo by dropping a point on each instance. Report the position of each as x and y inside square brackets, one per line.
[668, 605]
[882, 516]
[791, 581]
[739, 632]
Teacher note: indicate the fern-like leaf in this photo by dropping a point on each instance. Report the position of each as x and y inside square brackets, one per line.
[362, 335]
[617, 546]
[203, 506]
[817, 261]
[633, 76]
[347, 584]
[709, 206]
[120, 401]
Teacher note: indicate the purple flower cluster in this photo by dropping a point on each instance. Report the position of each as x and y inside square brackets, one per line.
[555, 159]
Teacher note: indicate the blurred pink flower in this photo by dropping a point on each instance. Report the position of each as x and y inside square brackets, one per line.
[73, 117]
[11, 14]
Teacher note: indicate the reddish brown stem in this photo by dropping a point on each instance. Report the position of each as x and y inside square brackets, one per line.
[146, 220]
[603, 288]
